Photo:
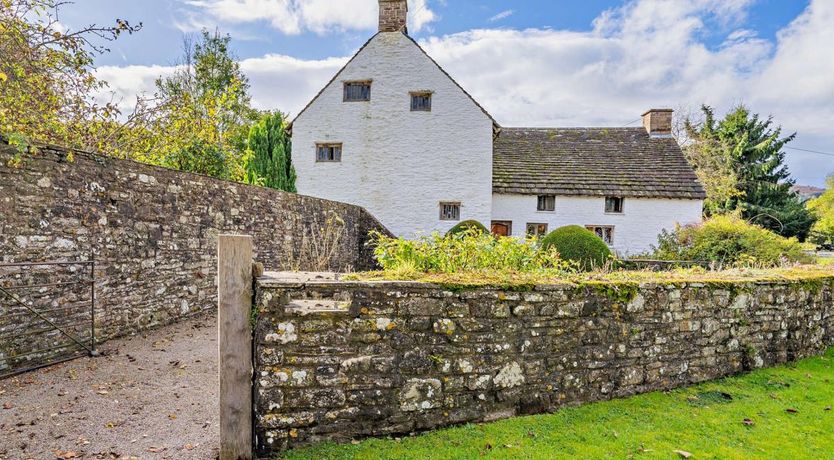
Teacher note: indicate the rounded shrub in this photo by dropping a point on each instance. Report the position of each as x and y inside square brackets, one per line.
[469, 227]
[579, 245]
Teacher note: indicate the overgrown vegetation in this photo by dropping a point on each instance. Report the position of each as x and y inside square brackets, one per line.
[465, 252]
[579, 245]
[783, 412]
[729, 241]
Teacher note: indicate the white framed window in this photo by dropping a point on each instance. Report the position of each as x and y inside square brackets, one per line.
[546, 203]
[421, 101]
[357, 91]
[329, 153]
[449, 210]
[605, 232]
[614, 204]
[537, 230]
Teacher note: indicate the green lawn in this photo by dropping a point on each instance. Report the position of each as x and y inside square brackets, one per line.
[707, 421]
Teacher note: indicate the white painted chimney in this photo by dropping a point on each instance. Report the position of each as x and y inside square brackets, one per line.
[393, 16]
[658, 122]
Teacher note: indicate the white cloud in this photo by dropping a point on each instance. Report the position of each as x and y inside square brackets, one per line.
[649, 53]
[293, 17]
[502, 15]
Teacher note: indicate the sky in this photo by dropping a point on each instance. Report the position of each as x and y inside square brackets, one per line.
[528, 62]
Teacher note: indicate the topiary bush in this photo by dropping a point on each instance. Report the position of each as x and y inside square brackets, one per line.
[578, 244]
[467, 227]
[729, 241]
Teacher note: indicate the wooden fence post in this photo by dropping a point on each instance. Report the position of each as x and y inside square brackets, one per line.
[234, 333]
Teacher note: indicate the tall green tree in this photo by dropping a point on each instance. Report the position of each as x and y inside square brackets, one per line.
[204, 108]
[752, 149]
[270, 159]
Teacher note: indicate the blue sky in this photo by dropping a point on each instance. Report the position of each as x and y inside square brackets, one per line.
[165, 23]
[531, 62]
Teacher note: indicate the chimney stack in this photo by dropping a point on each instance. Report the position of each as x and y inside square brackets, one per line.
[393, 16]
[658, 122]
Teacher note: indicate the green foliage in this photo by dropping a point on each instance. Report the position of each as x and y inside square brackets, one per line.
[269, 157]
[823, 208]
[706, 420]
[206, 102]
[467, 226]
[201, 158]
[470, 251]
[729, 241]
[47, 79]
[578, 244]
[749, 150]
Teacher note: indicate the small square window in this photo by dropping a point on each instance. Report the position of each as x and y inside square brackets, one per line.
[537, 230]
[614, 204]
[328, 153]
[357, 91]
[449, 211]
[606, 233]
[421, 102]
[546, 203]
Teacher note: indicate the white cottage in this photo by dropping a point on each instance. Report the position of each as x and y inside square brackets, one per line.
[394, 133]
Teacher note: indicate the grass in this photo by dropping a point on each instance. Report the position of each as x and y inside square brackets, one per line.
[825, 261]
[506, 278]
[706, 420]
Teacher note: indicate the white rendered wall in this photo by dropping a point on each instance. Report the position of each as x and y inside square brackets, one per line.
[635, 230]
[396, 163]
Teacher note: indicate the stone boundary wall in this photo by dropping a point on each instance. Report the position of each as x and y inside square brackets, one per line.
[340, 360]
[154, 235]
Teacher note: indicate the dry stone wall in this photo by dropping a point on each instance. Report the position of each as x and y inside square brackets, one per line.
[339, 360]
[153, 232]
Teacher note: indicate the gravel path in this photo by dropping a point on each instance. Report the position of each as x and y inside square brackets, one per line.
[152, 396]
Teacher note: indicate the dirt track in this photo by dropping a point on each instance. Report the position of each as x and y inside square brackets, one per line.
[152, 396]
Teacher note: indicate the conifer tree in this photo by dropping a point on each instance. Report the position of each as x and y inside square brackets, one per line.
[270, 159]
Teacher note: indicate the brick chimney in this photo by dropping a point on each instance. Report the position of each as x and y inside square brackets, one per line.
[393, 15]
[658, 122]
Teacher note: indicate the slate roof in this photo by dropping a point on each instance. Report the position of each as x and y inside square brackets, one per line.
[592, 162]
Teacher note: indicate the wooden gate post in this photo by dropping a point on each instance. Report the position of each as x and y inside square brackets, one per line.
[234, 333]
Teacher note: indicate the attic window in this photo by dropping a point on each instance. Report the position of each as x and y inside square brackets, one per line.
[421, 102]
[357, 91]
[449, 211]
[546, 203]
[328, 153]
[614, 204]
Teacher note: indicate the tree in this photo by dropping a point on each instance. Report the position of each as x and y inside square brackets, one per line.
[47, 86]
[270, 159]
[205, 102]
[712, 166]
[752, 150]
[823, 208]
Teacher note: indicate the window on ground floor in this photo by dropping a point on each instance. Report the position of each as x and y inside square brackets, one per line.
[449, 210]
[537, 230]
[603, 231]
[502, 227]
